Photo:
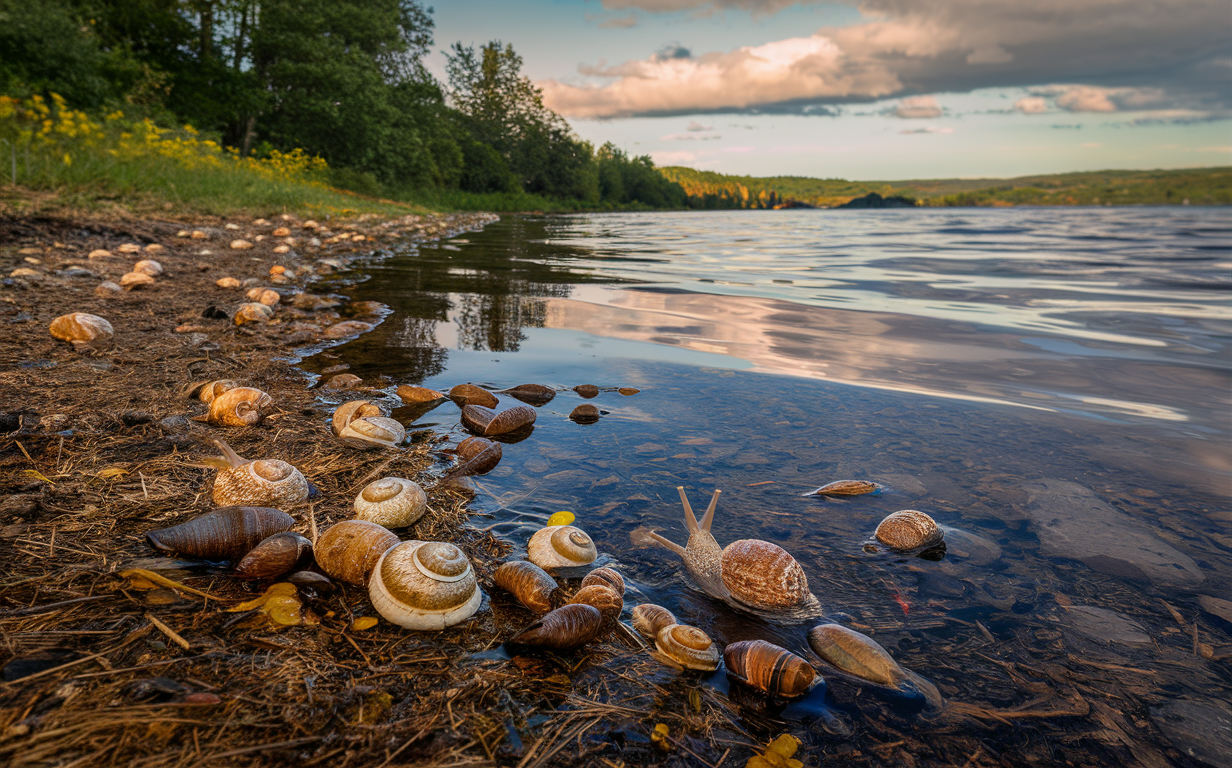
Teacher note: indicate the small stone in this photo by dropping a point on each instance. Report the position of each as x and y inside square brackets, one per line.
[227, 282]
[129, 248]
[30, 251]
[281, 232]
[134, 280]
[32, 260]
[26, 272]
[229, 225]
[154, 248]
[108, 289]
[199, 235]
[282, 249]
[346, 328]
[99, 253]
[1103, 625]
[240, 245]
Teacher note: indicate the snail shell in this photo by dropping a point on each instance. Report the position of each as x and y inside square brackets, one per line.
[860, 656]
[561, 546]
[585, 414]
[262, 483]
[415, 395]
[682, 646]
[587, 390]
[487, 422]
[602, 598]
[349, 550]
[909, 529]
[424, 585]
[532, 394]
[846, 488]
[469, 394]
[649, 618]
[206, 391]
[763, 575]
[372, 432]
[312, 583]
[768, 668]
[239, 407]
[82, 329]
[148, 266]
[252, 312]
[392, 502]
[564, 629]
[528, 583]
[355, 409]
[274, 556]
[227, 533]
[608, 578]
[479, 456]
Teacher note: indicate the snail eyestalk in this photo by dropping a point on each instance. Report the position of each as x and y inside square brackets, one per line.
[228, 453]
[690, 520]
[708, 518]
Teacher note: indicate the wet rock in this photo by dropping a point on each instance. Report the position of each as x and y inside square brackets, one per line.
[1103, 625]
[1202, 730]
[970, 547]
[1216, 606]
[1072, 522]
[346, 328]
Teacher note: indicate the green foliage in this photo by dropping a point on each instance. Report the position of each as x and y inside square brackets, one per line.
[45, 48]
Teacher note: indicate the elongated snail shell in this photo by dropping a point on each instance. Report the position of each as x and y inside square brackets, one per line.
[607, 577]
[602, 598]
[227, 533]
[274, 556]
[424, 585]
[469, 394]
[479, 456]
[763, 575]
[261, 483]
[349, 550]
[207, 391]
[561, 546]
[488, 423]
[649, 618]
[528, 583]
[845, 488]
[768, 668]
[239, 407]
[392, 502]
[679, 645]
[81, 328]
[564, 629]
[863, 657]
[350, 411]
[371, 432]
[909, 529]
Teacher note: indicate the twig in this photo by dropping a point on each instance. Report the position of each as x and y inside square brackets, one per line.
[410, 741]
[168, 631]
[50, 606]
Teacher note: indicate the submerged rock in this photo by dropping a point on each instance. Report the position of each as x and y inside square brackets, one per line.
[1103, 625]
[1202, 730]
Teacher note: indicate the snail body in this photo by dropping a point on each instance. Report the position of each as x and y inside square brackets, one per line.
[82, 329]
[683, 647]
[349, 550]
[532, 586]
[859, 656]
[564, 629]
[274, 556]
[392, 502]
[909, 529]
[262, 483]
[561, 546]
[768, 668]
[227, 533]
[486, 422]
[239, 407]
[371, 432]
[424, 585]
[846, 488]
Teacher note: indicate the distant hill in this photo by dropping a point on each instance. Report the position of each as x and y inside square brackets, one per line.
[1196, 186]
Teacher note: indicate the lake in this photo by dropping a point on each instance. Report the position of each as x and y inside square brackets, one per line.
[1051, 385]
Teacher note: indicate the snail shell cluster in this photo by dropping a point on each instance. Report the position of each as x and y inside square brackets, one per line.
[679, 646]
[768, 668]
[564, 629]
[349, 550]
[239, 407]
[82, 330]
[424, 585]
[274, 556]
[908, 530]
[561, 546]
[350, 411]
[392, 502]
[846, 488]
[263, 483]
[532, 586]
[227, 533]
[862, 657]
[486, 422]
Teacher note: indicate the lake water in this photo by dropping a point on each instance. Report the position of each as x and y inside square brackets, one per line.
[1051, 384]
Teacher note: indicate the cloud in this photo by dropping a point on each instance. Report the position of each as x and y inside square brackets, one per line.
[696, 126]
[929, 129]
[1032, 105]
[615, 22]
[1122, 49]
[918, 107]
[672, 157]
[690, 137]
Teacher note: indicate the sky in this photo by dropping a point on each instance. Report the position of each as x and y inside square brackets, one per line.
[879, 89]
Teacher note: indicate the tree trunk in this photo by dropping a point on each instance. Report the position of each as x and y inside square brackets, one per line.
[206, 17]
[246, 147]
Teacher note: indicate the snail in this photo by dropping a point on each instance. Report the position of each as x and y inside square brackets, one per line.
[206, 391]
[859, 656]
[487, 422]
[82, 330]
[846, 488]
[586, 390]
[349, 550]
[227, 533]
[479, 456]
[908, 530]
[371, 432]
[424, 585]
[561, 546]
[683, 647]
[528, 583]
[148, 266]
[532, 394]
[265, 482]
[274, 556]
[415, 395]
[392, 502]
[564, 629]
[602, 598]
[253, 312]
[355, 409]
[469, 394]
[768, 668]
[239, 407]
[585, 414]
[749, 573]
[649, 618]
[607, 577]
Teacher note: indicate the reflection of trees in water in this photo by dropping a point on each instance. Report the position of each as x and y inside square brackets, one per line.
[418, 349]
[494, 320]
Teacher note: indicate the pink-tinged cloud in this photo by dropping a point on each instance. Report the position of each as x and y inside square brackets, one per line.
[916, 107]
[1085, 99]
[1032, 105]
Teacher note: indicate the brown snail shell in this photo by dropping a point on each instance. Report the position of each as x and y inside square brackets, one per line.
[768, 668]
[528, 583]
[424, 585]
[276, 555]
[532, 394]
[316, 583]
[685, 647]
[262, 483]
[252, 312]
[206, 391]
[82, 330]
[349, 550]
[909, 529]
[487, 422]
[355, 409]
[846, 488]
[763, 575]
[585, 414]
[564, 629]
[862, 657]
[227, 533]
[393, 502]
[587, 390]
[561, 546]
[415, 395]
[469, 394]
[649, 618]
[602, 598]
[372, 432]
[479, 456]
[606, 577]
[239, 407]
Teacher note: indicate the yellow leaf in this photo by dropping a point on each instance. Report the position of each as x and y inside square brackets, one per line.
[141, 574]
[564, 517]
[111, 472]
[280, 604]
[36, 475]
[363, 622]
[785, 745]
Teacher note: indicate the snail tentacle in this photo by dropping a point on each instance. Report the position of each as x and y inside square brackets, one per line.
[668, 543]
[708, 518]
[228, 453]
[690, 520]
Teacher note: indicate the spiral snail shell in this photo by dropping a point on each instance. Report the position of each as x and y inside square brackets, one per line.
[227, 533]
[602, 598]
[274, 556]
[607, 577]
[532, 394]
[479, 456]
[561, 546]
[424, 585]
[488, 423]
[350, 411]
[528, 583]
[768, 668]
[469, 394]
[846, 488]
[564, 629]
[206, 391]
[683, 647]
[908, 530]
[371, 432]
[860, 656]
[82, 330]
[349, 550]
[263, 483]
[239, 407]
[392, 502]
[649, 618]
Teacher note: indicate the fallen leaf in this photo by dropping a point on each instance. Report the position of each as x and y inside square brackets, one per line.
[144, 577]
[363, 622]
[280, 603]
[111, 472]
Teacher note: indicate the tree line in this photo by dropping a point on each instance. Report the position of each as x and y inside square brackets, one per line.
[341, 79]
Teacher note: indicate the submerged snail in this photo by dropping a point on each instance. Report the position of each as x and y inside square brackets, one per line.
[424, 585]
[206, 391]
[239, 407]
[274, 556]
[528, 583]
[392, 502]
[265, 482]
[768, 668]
[908, 530]
[350, 411]
[371, 432]
[846, 488]
[862, 657]
[487, 422]
[82, 330]
[349, 550]
[479, 456]
[564, 629]
[227, 533]
[561, 546]
[750, 572]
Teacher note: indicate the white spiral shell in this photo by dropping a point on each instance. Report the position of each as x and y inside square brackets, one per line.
[261, 483]
[424, 585]
[393, 502]
[561, 546]
[372, 432]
